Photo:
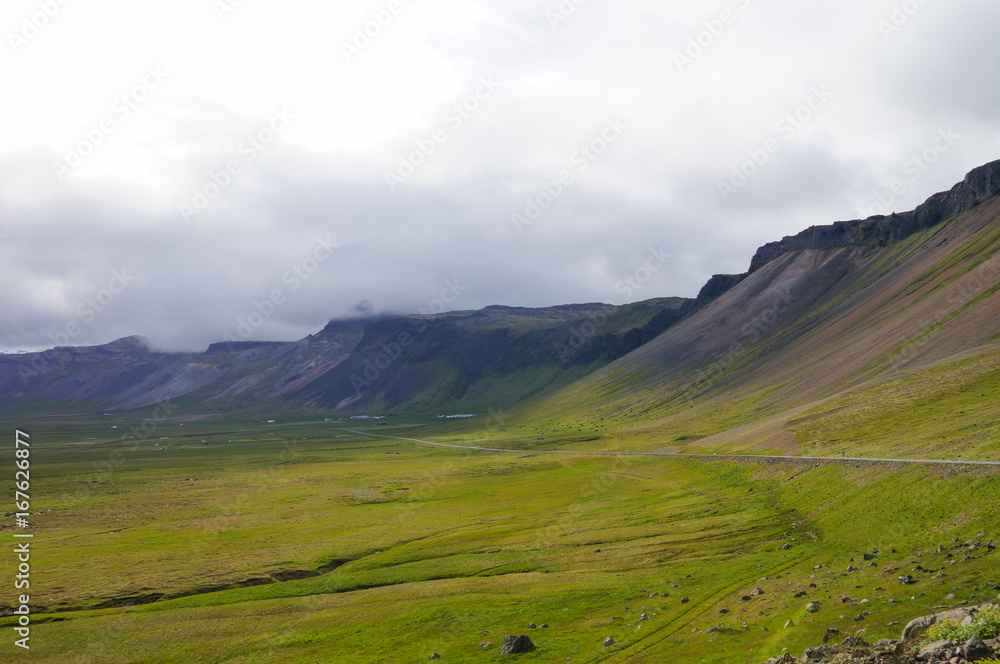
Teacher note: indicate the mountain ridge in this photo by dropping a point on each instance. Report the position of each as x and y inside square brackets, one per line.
[509, 354]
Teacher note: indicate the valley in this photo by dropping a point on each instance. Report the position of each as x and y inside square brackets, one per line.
[809, 446]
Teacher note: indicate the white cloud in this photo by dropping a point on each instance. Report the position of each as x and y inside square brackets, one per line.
[353, 119]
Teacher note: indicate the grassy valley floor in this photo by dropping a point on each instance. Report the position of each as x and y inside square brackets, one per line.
[301, 542]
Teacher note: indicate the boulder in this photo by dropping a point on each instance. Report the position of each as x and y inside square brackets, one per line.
[830, 632]
[975, 649]
[916, 627]
[784, 659]
[958, 615]
[812, 607]
[608, 642]
[513, 645]
[939, 650]
[818, 654]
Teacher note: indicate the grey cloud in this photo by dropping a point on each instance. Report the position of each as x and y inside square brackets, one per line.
[656, 187]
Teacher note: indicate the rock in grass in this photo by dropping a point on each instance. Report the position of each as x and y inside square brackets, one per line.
[685, 600]
[435, 656]
[812, 607]
[916, 627]
[830, 632]
[513, 645]
[608, 642]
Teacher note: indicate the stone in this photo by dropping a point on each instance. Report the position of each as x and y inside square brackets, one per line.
[685, 600]
[756, 592]
[512, 645]
[975, 649]
[532, 626]
[784, 659]
[852, 568]
[434, 656]
[786, 547]
[608, 642]
[643, 617]
[818, 654]
[799, 595]
[830, 632]
[812, 607]
[937, 650]
[869, 556]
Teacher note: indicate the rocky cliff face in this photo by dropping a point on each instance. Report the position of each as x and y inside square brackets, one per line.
[979, 185]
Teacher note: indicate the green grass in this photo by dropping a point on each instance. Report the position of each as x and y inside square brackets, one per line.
[405, 550]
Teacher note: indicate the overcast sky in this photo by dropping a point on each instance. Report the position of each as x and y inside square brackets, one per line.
[167, 169]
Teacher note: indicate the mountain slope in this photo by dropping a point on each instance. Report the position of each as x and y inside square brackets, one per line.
[401, 362]
[834, 308]
[837, 309]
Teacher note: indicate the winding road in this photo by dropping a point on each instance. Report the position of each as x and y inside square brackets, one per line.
[750, 457]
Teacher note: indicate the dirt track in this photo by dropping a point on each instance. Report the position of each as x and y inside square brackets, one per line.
[748, 457]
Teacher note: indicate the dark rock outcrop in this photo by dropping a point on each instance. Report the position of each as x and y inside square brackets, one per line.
[513, 645]
[979, 185]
